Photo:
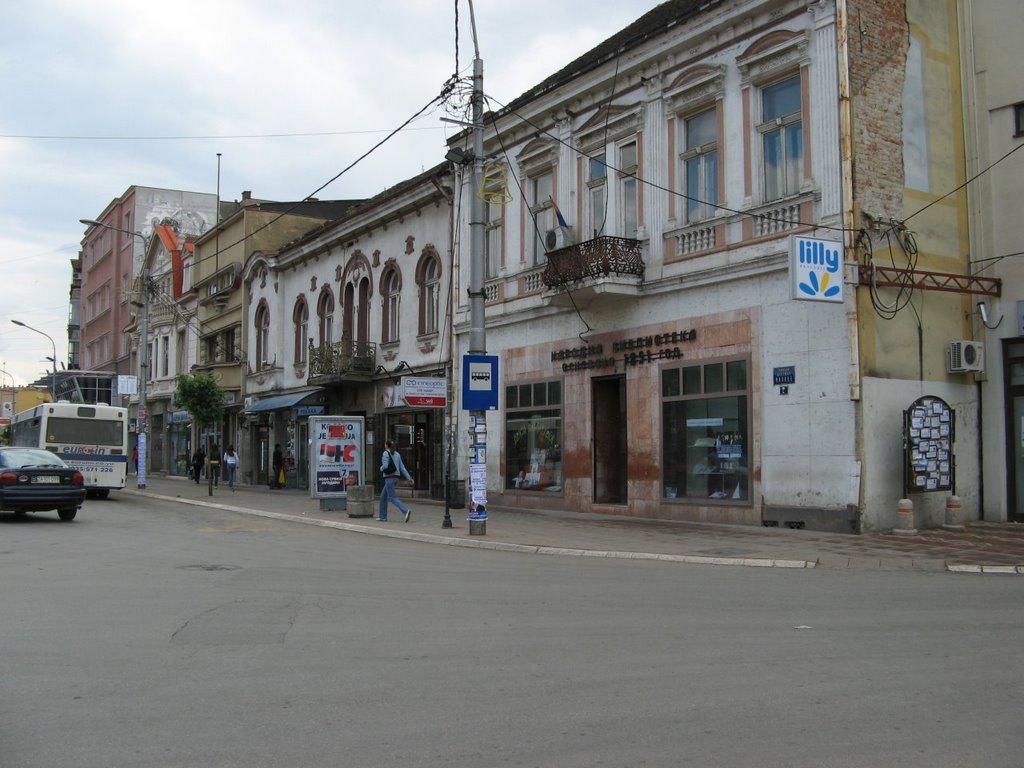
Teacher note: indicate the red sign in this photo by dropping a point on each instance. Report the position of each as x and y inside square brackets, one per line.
[425, 401]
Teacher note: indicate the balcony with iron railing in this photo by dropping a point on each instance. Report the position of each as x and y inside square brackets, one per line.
[603, 265]
[341, 361]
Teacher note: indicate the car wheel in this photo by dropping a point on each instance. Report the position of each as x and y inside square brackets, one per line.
[67, 514]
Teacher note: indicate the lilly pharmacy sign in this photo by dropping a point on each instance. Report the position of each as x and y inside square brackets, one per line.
[816, 269]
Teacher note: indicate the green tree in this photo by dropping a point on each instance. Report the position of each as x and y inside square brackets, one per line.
[202, 397]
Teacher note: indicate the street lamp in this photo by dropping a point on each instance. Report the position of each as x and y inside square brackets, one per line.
[53, 376]
[143, 417]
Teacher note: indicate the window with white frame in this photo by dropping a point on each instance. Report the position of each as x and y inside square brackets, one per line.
[628, 200]
[540, 188]
[262, 328]
[430, 290]
[392, 304]
[782, 138]
[325, 314]
[494, 215]
[165, 356]
[180, 353]
[300, 322]
[597, 194]
[699, 162]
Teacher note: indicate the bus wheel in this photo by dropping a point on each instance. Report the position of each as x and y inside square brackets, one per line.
[67, 514]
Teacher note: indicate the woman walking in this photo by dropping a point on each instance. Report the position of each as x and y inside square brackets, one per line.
[392, 467]
[231, 462]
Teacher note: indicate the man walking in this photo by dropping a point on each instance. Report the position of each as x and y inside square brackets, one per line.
[392, 467]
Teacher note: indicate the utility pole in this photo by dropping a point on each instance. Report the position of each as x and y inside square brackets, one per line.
[477, 336]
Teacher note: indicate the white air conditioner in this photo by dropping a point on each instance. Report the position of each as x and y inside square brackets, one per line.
[965, 357]
[559, 237]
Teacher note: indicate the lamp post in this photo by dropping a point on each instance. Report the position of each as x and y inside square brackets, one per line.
[53, 376]
[142, 434]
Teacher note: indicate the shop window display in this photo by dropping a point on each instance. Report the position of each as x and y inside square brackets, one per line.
[533, 437]
[705, 431]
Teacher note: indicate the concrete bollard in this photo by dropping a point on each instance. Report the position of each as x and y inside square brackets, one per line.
[360, 501]
[954, 514]
[478, 527]
[905, 512]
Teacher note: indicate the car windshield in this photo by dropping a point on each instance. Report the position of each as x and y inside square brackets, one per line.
[20, 458]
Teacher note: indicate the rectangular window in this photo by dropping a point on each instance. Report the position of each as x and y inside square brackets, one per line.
[705, 431]
[165, 357]
[628, 170]
[230, 353]
[541, 189]
[533, 436]
[1018, 120]
[597, 189]
[782, 138]
[493, 215]
[700, 165]
[180, 354]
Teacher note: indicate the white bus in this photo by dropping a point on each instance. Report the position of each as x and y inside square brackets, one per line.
[91, 438]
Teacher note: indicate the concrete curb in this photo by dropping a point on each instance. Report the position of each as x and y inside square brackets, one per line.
[498, 546]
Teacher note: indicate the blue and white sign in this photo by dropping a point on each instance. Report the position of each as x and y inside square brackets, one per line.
[480, 382]
[816, 269]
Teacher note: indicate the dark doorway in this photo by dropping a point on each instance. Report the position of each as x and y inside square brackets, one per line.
[610, 440]
[1014, 367]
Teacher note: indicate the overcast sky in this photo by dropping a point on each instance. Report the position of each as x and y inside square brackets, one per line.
[97, 96]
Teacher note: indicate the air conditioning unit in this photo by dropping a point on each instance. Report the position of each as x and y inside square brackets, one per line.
[559, 237]
[965, 357]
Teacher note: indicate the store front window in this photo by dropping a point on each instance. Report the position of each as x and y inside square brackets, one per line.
[705, 428]
[533, 436]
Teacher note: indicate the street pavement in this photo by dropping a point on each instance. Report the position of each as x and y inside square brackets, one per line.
[980, 548]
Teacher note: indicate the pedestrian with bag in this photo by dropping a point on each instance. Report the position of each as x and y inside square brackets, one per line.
[215, 463]
[393, 468]
[231, 462]
[198, 460]
[277, 468]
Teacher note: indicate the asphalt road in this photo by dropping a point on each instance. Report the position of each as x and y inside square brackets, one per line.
[153, 634]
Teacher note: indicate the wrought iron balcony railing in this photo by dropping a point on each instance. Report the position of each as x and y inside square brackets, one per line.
[344, 360]
[593, 260]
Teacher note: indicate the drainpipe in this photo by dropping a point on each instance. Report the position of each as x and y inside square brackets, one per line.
[856, 500]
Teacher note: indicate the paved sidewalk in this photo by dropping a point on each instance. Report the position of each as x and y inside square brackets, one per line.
[982, 548]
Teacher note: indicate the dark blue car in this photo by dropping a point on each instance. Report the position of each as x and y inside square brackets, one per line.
[34, 480]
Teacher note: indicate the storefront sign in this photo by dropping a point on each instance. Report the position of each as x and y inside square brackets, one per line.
[336, 455]
[816, 269]
[425, 392]
[785, 374]
[636, 350]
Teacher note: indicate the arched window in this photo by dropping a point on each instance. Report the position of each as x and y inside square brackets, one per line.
[262, 325]
[364, 310]
[430, 292]
[348, 330]
[392, 289]
[325, 313]
[300, 320]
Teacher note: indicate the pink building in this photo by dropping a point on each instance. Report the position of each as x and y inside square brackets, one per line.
[111, 263]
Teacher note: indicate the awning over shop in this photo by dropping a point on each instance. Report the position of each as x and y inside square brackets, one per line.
[282, 402]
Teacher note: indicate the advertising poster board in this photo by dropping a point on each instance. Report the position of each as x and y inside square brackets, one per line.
[336, 455]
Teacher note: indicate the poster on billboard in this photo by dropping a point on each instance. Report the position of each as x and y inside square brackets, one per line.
[336, 455]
